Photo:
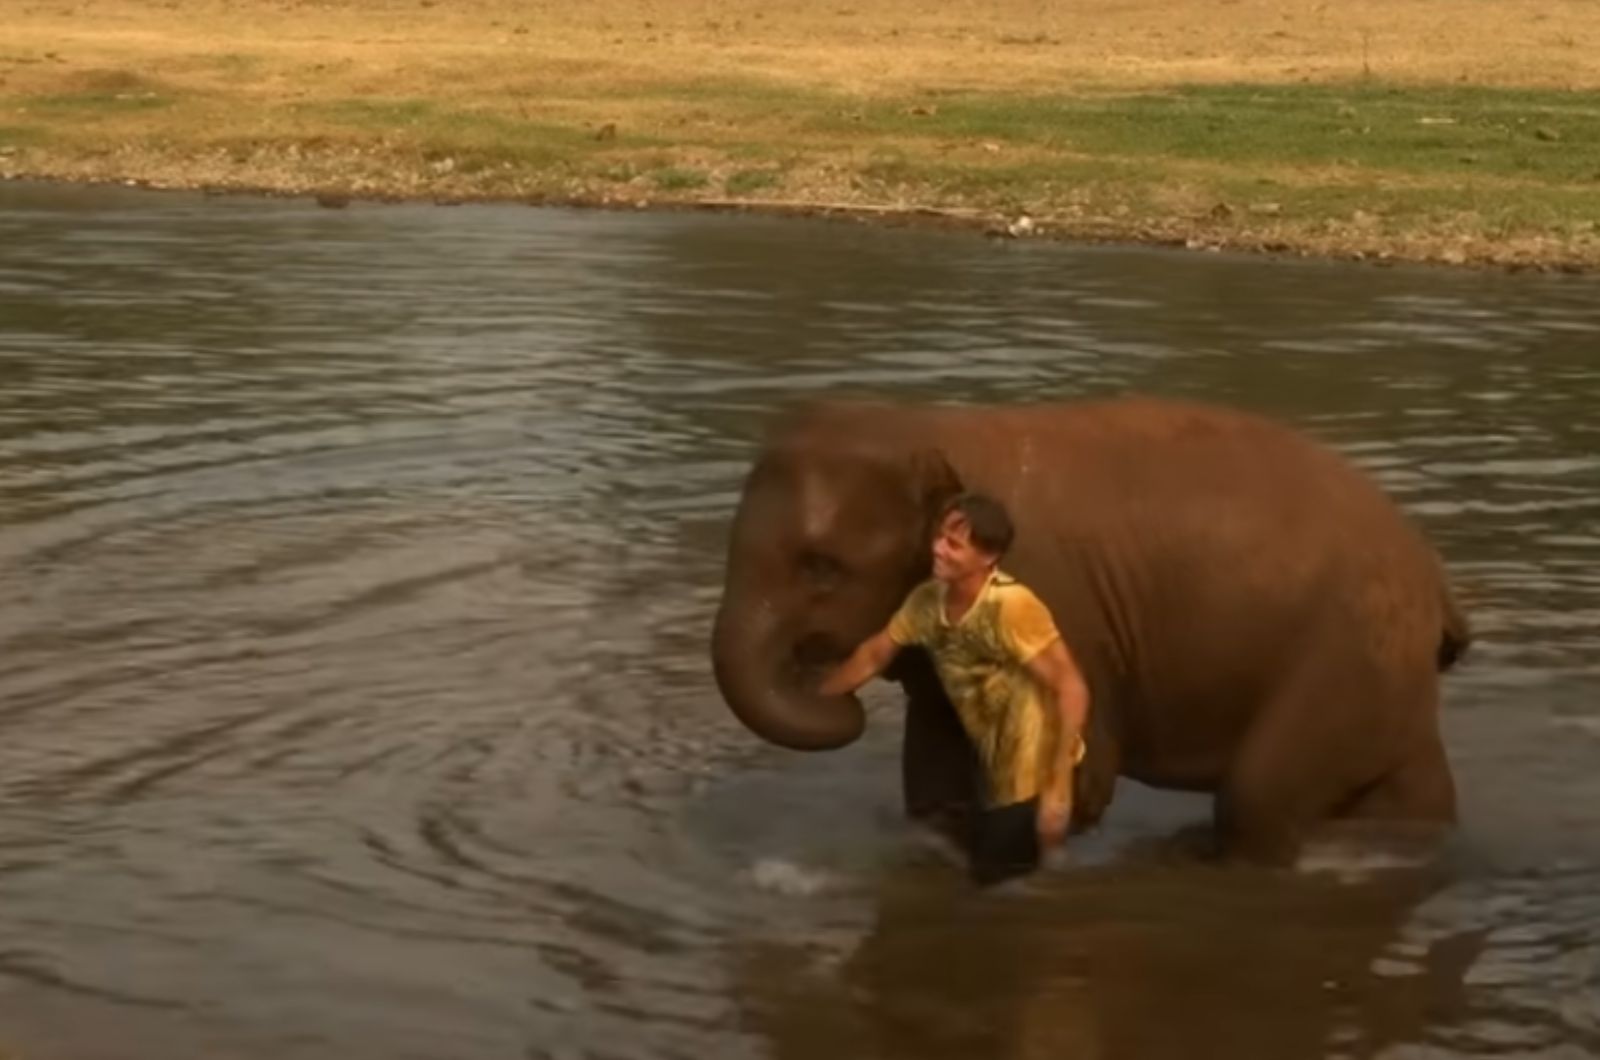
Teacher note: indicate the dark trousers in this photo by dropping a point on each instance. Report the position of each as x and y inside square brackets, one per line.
[1004, 842]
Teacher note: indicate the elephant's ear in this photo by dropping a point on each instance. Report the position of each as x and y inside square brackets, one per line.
[934, 483]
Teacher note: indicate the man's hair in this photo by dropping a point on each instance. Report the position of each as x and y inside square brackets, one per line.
[989, 522]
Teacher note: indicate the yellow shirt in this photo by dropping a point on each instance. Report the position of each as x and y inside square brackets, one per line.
[981, 661]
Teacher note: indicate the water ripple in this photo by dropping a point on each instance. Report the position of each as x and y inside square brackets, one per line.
[355, 574]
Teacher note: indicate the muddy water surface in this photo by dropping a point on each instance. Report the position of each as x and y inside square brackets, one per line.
[356, 569]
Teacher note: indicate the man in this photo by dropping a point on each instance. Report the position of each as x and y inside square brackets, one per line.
[1009, 675]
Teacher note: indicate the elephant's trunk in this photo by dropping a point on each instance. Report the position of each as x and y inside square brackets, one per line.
[765, 682]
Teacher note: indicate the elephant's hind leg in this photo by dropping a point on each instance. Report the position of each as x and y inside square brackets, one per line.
[1420, 788]
[1329, 735]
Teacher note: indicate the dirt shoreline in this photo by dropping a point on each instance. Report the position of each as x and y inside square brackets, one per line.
[989, 225]
[1433, 131]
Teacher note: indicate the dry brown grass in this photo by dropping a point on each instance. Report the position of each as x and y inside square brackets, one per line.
[452, 46]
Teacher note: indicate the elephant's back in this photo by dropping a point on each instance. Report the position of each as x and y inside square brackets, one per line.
[1218, 474]
[1200, 481]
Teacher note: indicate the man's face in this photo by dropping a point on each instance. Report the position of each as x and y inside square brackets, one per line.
[955, 556]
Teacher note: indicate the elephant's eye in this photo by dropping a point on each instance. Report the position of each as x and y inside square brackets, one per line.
[820, 569]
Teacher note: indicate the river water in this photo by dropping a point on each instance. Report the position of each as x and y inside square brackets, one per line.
[356, 572]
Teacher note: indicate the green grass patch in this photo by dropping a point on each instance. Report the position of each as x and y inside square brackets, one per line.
[1565, 211]
[84, 104]
[616, 172]
[238, 63]
[471, 139]
[751, 181]
[720, 92]
[678, 178]
[113, 80]
[1349, 130]
[21, 135]
[374, 113]
[1543, 135]
[1004, 184]
[110, 91]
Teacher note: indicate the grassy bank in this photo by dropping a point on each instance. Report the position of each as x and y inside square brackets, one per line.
[1227, 129]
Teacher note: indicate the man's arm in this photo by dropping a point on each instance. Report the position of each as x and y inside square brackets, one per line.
[1062, 683]
[870, 659]
[1057, 674]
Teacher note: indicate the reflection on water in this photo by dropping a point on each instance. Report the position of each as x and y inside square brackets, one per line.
[355, 575]
[1122, 965]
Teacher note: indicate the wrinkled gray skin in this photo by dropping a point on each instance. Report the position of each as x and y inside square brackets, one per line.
[1252, 615]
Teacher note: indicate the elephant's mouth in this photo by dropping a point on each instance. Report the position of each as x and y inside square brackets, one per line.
[815, 655]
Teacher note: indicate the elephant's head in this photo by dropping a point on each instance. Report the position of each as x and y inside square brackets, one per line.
[828, 539]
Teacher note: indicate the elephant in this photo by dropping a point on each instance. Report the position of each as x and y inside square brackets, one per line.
[1253, 616]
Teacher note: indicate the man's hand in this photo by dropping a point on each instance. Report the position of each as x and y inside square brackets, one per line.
[1054, 815]
[870, 659]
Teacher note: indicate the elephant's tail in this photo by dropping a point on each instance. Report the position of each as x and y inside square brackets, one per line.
[1456, 636]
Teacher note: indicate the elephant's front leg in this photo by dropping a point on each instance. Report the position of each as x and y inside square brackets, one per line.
[939, 771]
